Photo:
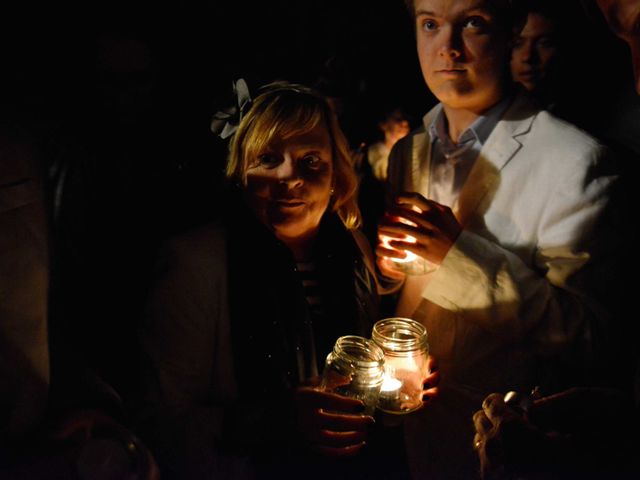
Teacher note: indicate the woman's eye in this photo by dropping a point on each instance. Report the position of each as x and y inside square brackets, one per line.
[310, 162]
[267, 160]
[475, 22]
[429, 25]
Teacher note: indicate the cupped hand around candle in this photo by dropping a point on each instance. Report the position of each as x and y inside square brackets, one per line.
[427, 229]
[331, 424]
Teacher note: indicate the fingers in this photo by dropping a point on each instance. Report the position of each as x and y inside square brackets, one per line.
[334, 452]
[411, 199]
[478, 441]
[338, 422]
[404, 216]
[339, 439]
[495, 408]
[388, 269]
[430, 383]
[432, 363]
[332, 425]
[482, 423]
[382, 251]
[396, 226]
[317, 399]
[430, 393]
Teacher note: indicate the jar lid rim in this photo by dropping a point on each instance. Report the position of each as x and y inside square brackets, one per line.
[385, 333]
[375, 352]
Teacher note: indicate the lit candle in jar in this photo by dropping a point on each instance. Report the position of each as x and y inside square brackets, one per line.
[411, 264]
[389, 393]
[405, 347]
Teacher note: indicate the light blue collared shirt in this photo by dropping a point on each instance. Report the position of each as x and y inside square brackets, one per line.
[452, 162]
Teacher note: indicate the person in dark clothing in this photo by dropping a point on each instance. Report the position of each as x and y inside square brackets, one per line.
[245, 310]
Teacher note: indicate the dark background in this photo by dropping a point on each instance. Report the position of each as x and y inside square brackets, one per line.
[365, 49]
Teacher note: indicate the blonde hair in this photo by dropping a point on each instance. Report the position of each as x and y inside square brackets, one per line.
[283, 110]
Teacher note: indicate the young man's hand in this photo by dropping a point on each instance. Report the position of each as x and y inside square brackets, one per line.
[427, 228]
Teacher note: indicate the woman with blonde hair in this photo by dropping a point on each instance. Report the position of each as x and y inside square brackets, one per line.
[245, 311]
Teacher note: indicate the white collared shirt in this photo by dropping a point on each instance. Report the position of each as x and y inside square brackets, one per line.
[452, 162]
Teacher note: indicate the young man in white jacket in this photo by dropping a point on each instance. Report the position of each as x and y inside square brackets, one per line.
[506, 203]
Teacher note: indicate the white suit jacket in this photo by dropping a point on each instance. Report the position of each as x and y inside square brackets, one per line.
[511, 302]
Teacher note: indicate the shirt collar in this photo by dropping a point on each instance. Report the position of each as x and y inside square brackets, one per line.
[479, 130]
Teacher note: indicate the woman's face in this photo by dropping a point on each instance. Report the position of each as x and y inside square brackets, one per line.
[289, 185]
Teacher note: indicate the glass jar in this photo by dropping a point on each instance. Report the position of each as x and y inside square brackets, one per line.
[405, 347]
[355, 368]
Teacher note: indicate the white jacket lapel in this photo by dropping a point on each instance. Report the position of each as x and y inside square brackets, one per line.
[421, 155]
[501, 146]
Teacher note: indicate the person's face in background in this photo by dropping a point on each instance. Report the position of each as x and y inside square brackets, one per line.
[463, 52]
[125, 79]
[289, 185]
[623, 16]
[535, 53]
[395, 127]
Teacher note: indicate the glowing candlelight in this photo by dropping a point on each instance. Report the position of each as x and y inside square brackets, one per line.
[411, 264]
[390, 385]
[405, 347]
[389, 399]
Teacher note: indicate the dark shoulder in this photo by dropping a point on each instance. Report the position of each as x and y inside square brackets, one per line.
[203, 247]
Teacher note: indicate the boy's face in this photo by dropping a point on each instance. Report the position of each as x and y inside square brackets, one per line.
[623, 16]
[463, 51]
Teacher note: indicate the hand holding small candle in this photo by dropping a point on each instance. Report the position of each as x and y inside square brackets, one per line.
[416, 234]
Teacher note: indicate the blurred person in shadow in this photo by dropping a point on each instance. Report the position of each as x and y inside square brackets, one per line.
[338, 81]
[507, 206]
[37, 439]
[393, 126]
[542, 52]
[24, 287]
[550, 57]
[537, 49]
[621, 20]
[110, 164]
[622, 16]
[244, 310]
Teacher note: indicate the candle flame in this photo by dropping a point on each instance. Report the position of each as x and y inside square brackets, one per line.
[390, 384]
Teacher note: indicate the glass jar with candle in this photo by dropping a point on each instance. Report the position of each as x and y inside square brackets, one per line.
[405, 347]
[355, 368]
